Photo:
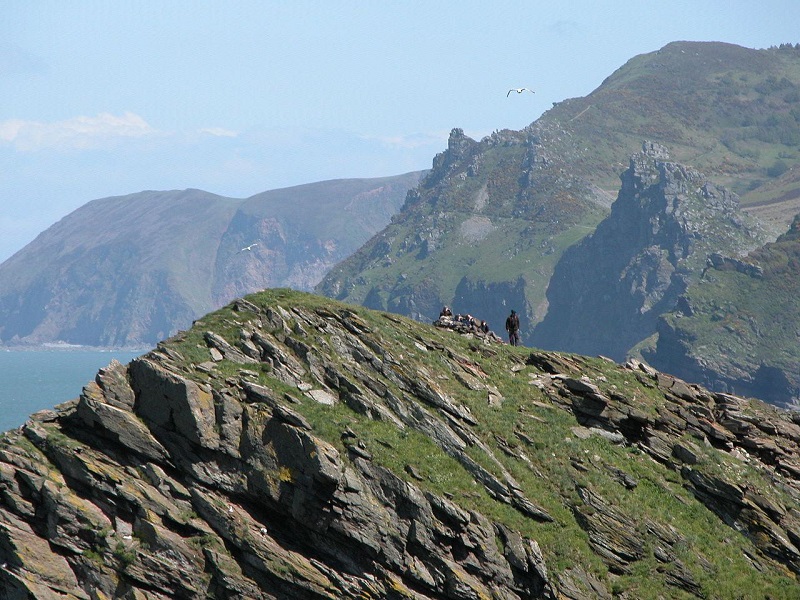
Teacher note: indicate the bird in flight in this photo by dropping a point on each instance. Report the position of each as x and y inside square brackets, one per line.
[246, 248]
[519, 91]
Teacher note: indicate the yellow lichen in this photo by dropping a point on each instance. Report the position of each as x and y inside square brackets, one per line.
[285, 474]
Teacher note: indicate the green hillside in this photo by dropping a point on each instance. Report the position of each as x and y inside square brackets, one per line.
[484, 231]
[731, 112]
[290, 446]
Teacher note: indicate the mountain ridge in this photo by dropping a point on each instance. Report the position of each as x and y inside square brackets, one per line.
[130, 270]
[728, 112]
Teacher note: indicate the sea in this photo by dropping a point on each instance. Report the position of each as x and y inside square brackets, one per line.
[32, 380]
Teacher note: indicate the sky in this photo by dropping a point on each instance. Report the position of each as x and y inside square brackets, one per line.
[106, 98]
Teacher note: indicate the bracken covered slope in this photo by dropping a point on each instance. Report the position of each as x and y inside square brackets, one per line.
[289, 446]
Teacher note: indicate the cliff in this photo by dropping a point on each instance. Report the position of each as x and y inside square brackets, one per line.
[608, 292]
[132, 270]
[289, 446]
[737, 327]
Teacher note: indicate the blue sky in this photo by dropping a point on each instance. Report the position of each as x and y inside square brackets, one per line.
[103, 98]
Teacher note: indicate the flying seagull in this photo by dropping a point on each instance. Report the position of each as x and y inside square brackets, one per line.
[246, 248]
[519, 91]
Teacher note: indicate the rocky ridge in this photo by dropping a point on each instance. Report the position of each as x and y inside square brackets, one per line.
[288, 446]
[480, 231]
[669, 220]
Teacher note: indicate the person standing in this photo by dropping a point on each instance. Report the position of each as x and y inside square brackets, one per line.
[512, 327]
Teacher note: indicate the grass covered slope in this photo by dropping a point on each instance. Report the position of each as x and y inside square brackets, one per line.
[731, 112]
[485, 228]
[293, 446]
[481, 233]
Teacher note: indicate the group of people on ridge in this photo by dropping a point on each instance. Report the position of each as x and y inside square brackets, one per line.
[471, 323]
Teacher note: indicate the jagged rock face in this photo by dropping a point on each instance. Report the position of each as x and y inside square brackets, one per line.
[288, 447]
[737, 328]
[608, 292]
[482, 227]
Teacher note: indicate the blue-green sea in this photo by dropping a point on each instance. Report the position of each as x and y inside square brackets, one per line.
[31, 380]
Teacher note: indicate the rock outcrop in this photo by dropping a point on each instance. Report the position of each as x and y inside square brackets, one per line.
[608, 292]
[292, 447]
[737, 328]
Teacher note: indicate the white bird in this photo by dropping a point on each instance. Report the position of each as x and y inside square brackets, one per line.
[519, 91]
[246, 248]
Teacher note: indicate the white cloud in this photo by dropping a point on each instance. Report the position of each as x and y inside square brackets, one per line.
[75, 133]
[219, 132]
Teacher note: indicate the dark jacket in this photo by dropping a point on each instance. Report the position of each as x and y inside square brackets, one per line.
[512, 323]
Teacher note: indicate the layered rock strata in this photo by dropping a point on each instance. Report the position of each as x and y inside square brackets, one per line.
[203, 469]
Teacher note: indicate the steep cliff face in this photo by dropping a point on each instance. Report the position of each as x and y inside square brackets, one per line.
[738, 327]
[608, 292]
[131, 270]
[288, 446]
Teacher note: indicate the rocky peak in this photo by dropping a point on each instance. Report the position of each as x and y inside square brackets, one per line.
[459, 148]
[675, 199]
[643, 168]
[667, 219]
[655, 150]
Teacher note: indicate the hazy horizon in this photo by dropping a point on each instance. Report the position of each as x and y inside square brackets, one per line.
[237, 99]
